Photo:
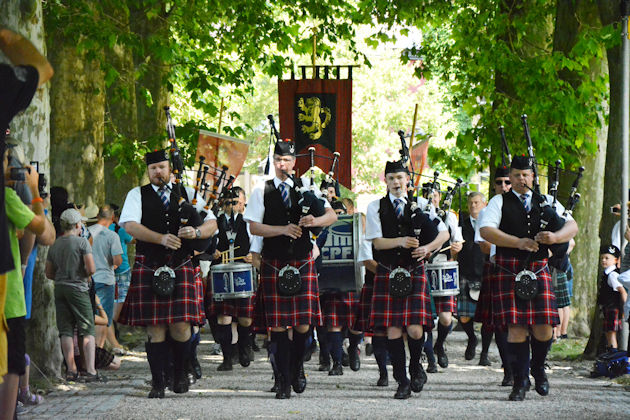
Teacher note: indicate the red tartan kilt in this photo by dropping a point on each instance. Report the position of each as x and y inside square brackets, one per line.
[339, 309]
[612, 319]
[236, 308]
[364, 308]
[508, 309]
[143, 308]
[415, 309]
[445, 304]
[483, 313]
[284, 311]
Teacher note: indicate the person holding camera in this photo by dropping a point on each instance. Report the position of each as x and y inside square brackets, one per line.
[19, 217]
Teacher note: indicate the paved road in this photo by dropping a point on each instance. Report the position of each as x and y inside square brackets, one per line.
[463, 390]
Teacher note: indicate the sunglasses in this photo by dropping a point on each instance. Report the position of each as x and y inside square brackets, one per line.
[501, 181]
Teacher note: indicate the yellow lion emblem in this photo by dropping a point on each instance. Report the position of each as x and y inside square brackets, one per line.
[311, 113]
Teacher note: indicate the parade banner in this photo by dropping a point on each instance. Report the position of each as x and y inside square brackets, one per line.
[418, 157]
[317, 112]
[219, 150]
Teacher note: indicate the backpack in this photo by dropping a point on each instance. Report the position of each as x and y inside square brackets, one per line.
[611, 364]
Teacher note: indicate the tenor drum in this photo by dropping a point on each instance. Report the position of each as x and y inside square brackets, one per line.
[340, 271]
[232, 281]
[443, 278]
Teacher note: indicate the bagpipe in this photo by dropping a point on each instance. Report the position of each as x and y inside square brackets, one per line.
[424, 229]
[308, 201]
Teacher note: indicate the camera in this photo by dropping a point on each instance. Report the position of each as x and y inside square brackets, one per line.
[18, 174]
[615, 210]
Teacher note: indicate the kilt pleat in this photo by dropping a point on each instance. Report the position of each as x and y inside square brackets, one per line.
[612, 319]
[339, 309]
[445, 304]
[465, 305]
[388, 311]
[236, 308]
[483, 311]
[364, 306]
[143, 308]
[508, 309]
[283, 311]
[561, 289]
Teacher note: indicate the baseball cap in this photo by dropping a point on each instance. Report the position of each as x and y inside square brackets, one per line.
[72, 216]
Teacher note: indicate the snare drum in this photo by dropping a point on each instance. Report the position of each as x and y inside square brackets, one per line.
[232, 281]
[443, 278]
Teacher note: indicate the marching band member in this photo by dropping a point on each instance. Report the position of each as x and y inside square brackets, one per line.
[446, 305]
[512, 222]
[288, 282]
[233, 238]
[150, 215]
[402, 301]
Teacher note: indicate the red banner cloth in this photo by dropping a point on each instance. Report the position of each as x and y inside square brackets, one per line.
[219, 150]
[318, 113]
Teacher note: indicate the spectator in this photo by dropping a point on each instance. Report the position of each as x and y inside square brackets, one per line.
[19, 217]
[18, 82]
[123, 277]
[612, 295]
[103, 359]
[70, 264]
[107, 253]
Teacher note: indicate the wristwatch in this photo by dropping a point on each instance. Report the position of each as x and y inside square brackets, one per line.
[197, 233]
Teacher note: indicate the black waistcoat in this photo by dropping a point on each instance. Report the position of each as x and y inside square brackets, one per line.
[392, 227]
[276, 214]
[515, 221]
[470, 258]
[242, 237]
[157, 219]
[607, 295]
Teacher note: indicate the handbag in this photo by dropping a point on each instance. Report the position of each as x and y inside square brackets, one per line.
[289, 281]
[163, 281]
[400, 283]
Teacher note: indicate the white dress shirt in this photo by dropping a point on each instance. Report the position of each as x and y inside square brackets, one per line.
[132, 209]
[613, 277]
[373, 228]
[255, 211]
[624, 280]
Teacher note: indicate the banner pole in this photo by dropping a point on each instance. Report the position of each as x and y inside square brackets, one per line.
[314, 49]
[413, 127]
[220, 116]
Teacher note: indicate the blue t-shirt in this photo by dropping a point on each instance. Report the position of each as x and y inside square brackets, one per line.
[125, 238]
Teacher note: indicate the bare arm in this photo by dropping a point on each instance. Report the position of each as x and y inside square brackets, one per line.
[371, 265]
[502, 239]
[143, 233]
[391, 243]
[40, 225]
[50, 270]
[270, 231]
[21, 52]
[486, 247]
[117, 260]
[101, 317]
[88, 262]
[568, 231]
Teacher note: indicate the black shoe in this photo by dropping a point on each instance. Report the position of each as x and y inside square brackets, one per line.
[337, 370]
[418, 378]
[196, 367]
[235, 354]
[508, 380]
[483, 360]
[191, 378]
[308, 353]
[254, 345]
[518, 393]
[431, 367]
[442, 358]
[345, 359]
[276, 384]
[324, 365]
[403, 392]
[283, 392]
[243, 356]
[180, 386]
[299, 380]
[156, 393]
[471, 348]
[354, 359]
[383, 379]
[225, 366]
[369, 349]
[541, 383]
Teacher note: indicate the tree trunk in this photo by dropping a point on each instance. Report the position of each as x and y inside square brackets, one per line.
[32, 129]
[571, 18]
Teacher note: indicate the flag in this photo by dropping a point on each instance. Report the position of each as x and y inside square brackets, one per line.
[419, 157]
[219, 150]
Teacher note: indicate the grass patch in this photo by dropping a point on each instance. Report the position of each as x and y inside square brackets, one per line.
[131, 337]
[568, 349]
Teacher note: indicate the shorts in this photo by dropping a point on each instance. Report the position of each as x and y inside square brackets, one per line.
[73, 308]
[122, 286]
[16, 340]
[105, 293]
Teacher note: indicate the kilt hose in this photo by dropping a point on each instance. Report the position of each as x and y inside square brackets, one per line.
[388, 311]
[612, 318]
[143, 308]
[509, 309]
[339, 309]
[465, 305]
[274, 310]
[483, 311]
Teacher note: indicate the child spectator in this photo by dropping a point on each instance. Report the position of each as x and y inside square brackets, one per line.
[612, 294]
[70, 264]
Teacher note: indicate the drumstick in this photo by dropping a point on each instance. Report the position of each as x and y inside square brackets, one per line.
[235, 248]
[441, 250]
[236, 258]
